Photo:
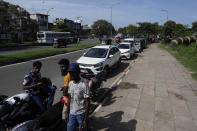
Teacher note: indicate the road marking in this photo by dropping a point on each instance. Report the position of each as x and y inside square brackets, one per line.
[41, 59]
[117, 81]
[127, 72]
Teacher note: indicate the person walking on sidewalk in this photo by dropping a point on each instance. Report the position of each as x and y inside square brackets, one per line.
[79, 95]
[64, 65]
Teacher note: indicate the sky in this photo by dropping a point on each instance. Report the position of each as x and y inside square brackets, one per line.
[124, 12]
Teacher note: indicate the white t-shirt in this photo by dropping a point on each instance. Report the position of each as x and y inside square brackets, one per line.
[78, 92]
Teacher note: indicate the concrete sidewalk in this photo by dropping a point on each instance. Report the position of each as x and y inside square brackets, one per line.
[158, 94]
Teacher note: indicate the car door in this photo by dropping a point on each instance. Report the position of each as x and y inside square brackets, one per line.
[111, 58]
[138, 45]
[116, 55]
[132, 49]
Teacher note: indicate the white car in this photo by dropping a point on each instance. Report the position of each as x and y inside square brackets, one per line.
[99, 58]
[127, 50]
[137, 45]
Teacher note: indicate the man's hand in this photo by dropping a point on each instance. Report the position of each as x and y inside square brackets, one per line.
[85, 124]
[61, 88]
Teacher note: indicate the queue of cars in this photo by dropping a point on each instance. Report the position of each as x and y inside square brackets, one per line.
[105, 57]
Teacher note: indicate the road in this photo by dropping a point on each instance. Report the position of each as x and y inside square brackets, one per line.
[12, 76]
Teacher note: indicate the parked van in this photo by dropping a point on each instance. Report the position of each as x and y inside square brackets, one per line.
[137, 45]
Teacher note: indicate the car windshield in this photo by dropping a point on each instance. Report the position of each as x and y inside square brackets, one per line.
[97, 53]
[123, 46]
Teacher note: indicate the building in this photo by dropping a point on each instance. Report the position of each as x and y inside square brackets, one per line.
[42, 20]
[4, 22]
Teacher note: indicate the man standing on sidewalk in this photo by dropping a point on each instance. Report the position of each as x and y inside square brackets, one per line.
[79, 100]
[64, 65]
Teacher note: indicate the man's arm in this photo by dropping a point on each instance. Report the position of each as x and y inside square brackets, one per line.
[87, 107]
[27, 87]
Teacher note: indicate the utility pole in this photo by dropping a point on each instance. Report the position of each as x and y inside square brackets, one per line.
[166, 11]
[21, 24]
[111, 22]
[111, 17]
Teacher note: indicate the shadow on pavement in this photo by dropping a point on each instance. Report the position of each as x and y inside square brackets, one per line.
[112, 122]
[110, 99]
[119, 70]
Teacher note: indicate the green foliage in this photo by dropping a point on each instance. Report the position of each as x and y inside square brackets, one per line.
[60, 26]
[173, 30]
[169, 28]
[187, 55]
[147, 28]
[15, 19]
[194, 27]
[102, 27]
[143, 29]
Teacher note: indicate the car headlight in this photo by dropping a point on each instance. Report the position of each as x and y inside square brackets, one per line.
[99, 64]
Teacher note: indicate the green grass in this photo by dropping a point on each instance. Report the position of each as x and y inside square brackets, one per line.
[187, 55]
[40, 53]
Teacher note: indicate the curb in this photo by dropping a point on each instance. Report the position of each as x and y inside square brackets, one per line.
[112, 87]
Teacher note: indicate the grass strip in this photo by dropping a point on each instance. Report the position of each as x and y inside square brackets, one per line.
[187, 55]
[40, 53]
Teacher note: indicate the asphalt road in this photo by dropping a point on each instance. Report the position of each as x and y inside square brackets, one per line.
[11, 77]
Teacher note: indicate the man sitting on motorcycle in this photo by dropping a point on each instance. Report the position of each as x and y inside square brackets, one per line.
[32, 82]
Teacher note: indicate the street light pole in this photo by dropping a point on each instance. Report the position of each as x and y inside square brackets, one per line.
[48, 18]
[111, 21]
[49, 10]
[111, 16]
[21, 24]
[166, 11]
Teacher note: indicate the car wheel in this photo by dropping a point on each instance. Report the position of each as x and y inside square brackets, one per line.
[119, 63]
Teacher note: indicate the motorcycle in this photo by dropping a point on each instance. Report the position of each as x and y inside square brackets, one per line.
[20, 107]
[50, 122]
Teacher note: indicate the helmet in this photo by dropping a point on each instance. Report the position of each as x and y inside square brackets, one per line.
[74, 67]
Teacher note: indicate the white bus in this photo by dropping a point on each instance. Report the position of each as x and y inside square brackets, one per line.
[49, 36]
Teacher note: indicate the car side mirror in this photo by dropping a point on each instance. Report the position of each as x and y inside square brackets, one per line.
[84, 53]
[110, 56]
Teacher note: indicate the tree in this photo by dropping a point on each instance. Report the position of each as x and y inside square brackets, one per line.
[147, 29]
[131, 30]
[102, 27]
[180, 30]
[123, 30]
[59, 25]
[169, 29]
[194, 27]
